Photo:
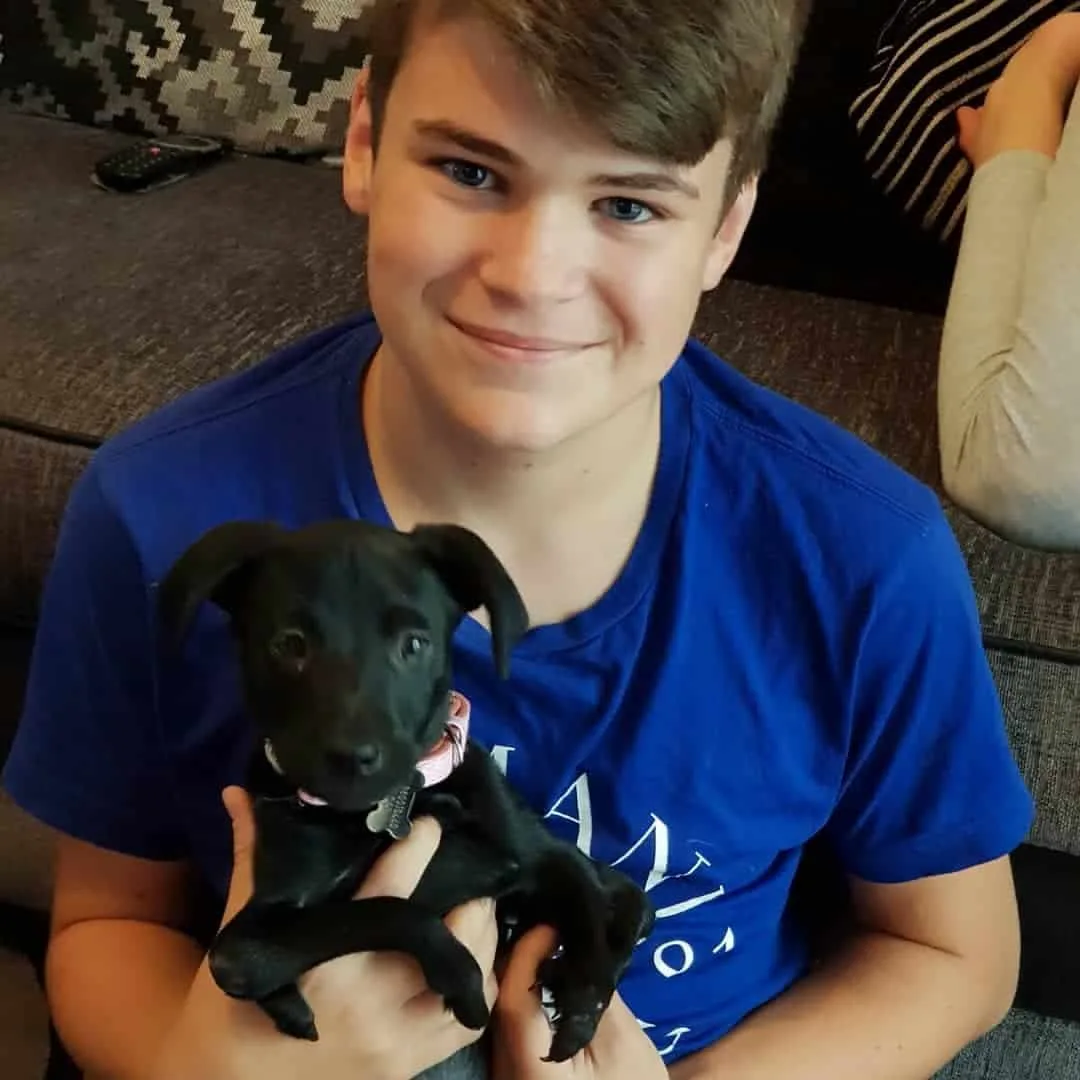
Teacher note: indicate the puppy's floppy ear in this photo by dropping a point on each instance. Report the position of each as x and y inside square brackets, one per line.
[211, 569]
[474, 577]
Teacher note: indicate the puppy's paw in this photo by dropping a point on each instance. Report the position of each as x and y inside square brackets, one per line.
[451, 972]
[572, 1034]
[574, 1003]
[631, 917]
[231, 969]
[291, 1013]
[468, 1005]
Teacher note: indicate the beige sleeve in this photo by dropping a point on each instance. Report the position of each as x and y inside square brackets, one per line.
[1009, 372]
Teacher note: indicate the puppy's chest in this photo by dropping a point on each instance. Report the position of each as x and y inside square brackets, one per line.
[305, 855]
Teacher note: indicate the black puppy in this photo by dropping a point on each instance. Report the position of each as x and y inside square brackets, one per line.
[343, 631]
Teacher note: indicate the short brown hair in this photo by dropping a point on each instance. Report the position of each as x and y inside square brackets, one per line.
[663, 80]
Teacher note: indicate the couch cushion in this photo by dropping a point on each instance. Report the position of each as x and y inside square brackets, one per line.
[24, 1020]
[269, 76]
[1024, 1047]
[113, 304]
[26, 858]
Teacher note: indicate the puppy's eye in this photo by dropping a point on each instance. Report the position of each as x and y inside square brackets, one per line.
[412, 644]
[290, 647]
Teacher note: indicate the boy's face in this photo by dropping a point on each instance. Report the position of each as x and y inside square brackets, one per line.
[530, 281]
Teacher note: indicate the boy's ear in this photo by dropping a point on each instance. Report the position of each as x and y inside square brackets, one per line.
[358, 156]
[725, 243]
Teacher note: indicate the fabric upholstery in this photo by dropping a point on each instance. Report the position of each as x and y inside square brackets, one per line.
[24, 1021]
[159, 292]
[269, 75]
[933, 56]
[1025, 1047]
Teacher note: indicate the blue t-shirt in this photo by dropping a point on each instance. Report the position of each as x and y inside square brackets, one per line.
[793, 647]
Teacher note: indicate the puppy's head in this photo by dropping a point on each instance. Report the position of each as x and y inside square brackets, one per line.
[344, 632]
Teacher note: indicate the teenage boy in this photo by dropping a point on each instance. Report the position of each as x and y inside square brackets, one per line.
[748, 628]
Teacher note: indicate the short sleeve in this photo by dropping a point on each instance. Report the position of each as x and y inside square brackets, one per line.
[931, 784]
[86, 757]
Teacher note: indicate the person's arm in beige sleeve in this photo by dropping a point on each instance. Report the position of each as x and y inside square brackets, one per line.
[1009, 375]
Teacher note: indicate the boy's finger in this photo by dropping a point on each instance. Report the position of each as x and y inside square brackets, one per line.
[524, 1033]
[238, 806]
[516, 987]
[398, 870]
[473, 924]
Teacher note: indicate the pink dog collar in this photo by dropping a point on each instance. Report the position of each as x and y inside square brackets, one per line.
[449, 751]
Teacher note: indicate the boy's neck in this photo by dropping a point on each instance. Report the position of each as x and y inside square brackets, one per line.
[563, 521]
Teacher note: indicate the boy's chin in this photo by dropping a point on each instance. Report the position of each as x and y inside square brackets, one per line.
[516, 428]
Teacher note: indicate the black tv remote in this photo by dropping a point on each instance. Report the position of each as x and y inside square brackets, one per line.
[153, 163]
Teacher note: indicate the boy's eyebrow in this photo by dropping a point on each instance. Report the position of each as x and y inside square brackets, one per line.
[477, 144]
[467, 140]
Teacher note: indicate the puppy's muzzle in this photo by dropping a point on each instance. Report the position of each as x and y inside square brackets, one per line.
[350, 763]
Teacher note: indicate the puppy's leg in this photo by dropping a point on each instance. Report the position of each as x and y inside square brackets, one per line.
[291, 1013]
[581, 977]
[631, 916]
[267, 948]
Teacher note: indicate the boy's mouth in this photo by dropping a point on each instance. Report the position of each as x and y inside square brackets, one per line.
[504, 339]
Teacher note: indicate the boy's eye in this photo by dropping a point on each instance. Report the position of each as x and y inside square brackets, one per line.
[465, 173]
[629, 211]
[468, 174]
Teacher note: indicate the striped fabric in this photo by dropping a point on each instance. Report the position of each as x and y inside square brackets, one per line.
[933, 56]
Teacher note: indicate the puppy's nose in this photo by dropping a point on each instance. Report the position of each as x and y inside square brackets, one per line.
[353, 761]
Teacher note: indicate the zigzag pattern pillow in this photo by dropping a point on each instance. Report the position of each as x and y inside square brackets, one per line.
[932, 57]
[270, 75]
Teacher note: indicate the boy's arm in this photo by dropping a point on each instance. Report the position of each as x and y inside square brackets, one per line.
[113, 1014]
[929, 807]
[932, 966]
[86, 760]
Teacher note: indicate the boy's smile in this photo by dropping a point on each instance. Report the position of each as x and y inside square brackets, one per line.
[516, 347]
[531, 283]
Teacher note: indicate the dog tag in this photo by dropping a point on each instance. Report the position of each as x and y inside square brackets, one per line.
[391, 815]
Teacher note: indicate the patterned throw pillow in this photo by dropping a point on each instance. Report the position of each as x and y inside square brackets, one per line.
[269, 75]
[932, 57]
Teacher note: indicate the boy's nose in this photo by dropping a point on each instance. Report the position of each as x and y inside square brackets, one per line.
[536, 256]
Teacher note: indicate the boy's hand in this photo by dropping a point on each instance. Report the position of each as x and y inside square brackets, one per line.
[1025, 108]
[376, 1016]
[521, 1036]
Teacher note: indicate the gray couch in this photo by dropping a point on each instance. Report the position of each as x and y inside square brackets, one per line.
[111, 306]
